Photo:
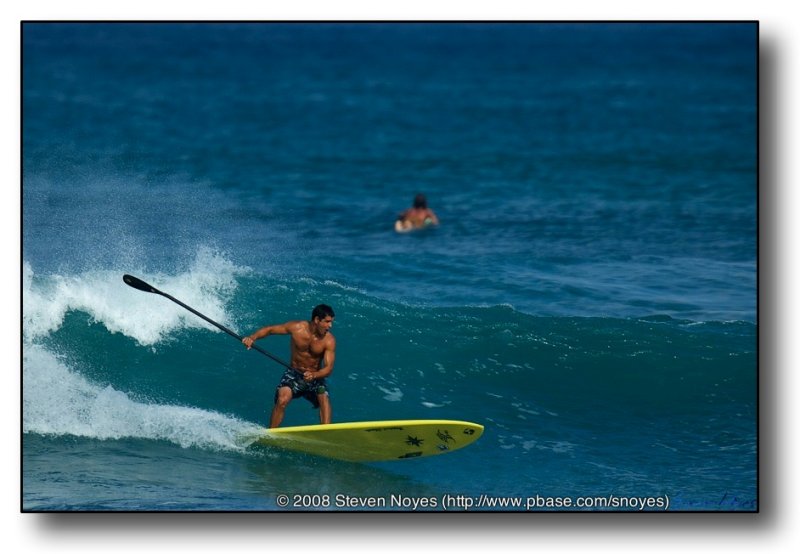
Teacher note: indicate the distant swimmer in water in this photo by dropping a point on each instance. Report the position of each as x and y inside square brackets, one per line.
[416, 217]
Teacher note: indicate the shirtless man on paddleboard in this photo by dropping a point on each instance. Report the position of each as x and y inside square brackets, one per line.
[313, 355]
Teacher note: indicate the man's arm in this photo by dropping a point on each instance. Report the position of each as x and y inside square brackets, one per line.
[280, 329]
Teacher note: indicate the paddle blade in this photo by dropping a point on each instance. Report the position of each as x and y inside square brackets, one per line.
[137, 283]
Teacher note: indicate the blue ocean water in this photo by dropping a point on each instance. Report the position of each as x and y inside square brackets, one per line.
[590, 296]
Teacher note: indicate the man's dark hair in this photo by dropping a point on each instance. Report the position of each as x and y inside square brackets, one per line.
[322, 311]
[420, 201]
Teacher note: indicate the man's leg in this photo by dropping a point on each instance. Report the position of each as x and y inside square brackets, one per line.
[324, 408]
[282, 400]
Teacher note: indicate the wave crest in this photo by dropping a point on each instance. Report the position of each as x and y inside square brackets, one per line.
[206, 285]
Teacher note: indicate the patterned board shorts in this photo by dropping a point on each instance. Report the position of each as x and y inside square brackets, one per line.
[308, 390]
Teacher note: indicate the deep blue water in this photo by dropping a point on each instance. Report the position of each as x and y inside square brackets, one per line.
[590, 296]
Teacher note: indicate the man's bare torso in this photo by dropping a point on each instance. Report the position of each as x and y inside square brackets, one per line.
[307, 348]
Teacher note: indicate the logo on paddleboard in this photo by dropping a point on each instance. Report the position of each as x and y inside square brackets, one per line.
[414, 441]
[445, 436]
[383, 429]
[469, 431]
[410, 455]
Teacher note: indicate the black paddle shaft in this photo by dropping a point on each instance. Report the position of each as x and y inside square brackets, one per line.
[137, 283]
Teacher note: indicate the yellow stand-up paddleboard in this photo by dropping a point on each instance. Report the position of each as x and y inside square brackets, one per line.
[375, 441]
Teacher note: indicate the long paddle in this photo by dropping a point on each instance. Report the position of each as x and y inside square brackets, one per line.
[137, 283]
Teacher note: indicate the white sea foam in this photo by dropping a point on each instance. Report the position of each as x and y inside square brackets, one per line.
[392, 395]
[57, 400]
[433, 405]
[145, 317]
